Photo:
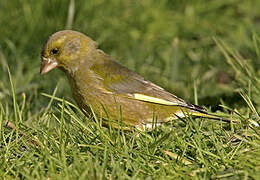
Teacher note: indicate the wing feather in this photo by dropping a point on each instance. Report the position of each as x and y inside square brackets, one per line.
[122, 81]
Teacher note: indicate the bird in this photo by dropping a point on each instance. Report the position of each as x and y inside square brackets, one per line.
[113, 92]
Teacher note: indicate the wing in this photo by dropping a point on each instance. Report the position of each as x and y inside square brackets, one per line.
[122, 81]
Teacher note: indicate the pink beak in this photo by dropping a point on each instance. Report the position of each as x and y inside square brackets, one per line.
[47, 64]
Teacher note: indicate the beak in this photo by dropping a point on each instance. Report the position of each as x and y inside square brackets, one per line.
[47, 64]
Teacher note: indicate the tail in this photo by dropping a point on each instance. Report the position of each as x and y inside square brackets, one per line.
[207, 115]
[198, 111]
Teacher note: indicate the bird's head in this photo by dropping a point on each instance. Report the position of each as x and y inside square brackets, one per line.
[65, 49]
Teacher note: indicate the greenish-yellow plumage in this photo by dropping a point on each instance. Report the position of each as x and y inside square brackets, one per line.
[110, 89]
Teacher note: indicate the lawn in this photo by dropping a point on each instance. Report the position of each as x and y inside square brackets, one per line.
[206, 52]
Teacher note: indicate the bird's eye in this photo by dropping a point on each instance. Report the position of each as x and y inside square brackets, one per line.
[54, 51]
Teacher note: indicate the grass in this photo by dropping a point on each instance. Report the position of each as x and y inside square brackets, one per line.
[206, 52]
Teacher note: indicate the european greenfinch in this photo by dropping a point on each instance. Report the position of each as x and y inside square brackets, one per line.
[111, 90]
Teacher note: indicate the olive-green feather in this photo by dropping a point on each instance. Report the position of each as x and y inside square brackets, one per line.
[113, 91]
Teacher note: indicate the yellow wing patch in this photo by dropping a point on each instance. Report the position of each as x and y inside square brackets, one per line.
[151, 99]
